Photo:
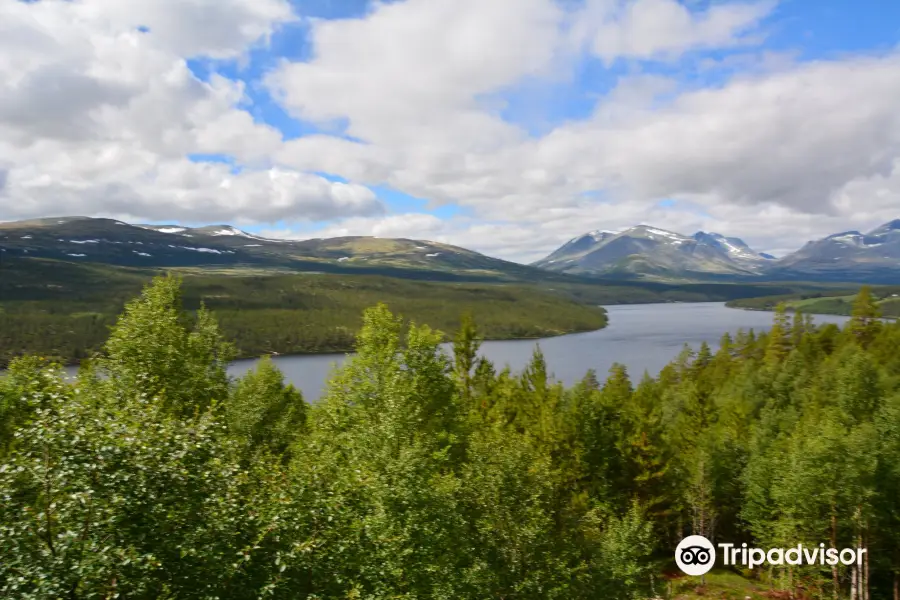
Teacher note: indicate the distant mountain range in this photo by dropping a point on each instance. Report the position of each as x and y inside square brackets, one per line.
[650, 252]
[83, 239]
[638, 253]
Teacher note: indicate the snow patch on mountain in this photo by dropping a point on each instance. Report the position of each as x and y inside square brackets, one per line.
[600, 234]
[848, 237]
[234, 231]
[653, 231]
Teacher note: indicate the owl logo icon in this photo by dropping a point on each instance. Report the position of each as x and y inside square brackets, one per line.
[695, 555]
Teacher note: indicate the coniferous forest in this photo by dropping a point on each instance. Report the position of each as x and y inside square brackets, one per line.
[421, 475]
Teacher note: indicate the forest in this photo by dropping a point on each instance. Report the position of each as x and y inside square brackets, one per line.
[825, 302]
[422, 474]
[64, 310]
[64, 313]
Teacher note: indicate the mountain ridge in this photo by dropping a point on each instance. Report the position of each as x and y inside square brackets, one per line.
[645, 251]
[640, 252]
[109, 241]
[650, 250]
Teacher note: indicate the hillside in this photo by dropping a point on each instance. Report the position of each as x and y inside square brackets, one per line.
[651, 253]
[833, 302]
[90, 240]
[641, 253]
[54, 308]
[64, 309]
[654, 252]
[848, 256]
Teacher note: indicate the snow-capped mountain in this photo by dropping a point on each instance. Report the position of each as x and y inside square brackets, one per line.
[209, 230]
[734, 247]
[90, 240]
[650, 250]
[639, 252]
[874, 255]
[577, 246]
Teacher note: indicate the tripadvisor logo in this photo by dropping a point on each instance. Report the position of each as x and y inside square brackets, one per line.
[696, 555]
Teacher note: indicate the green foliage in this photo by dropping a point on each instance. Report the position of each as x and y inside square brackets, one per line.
[105, 498]
[422, 474]
[264, 411]
[155, 350]
[836, 301]
[23, 391]
[67, 313]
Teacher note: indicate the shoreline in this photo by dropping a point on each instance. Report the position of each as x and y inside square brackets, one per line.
[351, 350]
[792, 311]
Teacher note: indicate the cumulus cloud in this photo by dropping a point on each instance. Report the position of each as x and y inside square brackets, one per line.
[795, 137]
[99, 113]
[646, 29]
[786, 140]
[212, 28]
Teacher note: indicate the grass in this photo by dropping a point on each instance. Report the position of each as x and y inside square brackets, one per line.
[721, 585]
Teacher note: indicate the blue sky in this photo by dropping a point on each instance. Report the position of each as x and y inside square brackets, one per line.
[507, 126]
[806, 30]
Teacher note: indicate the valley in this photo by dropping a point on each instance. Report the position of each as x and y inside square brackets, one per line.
[64, 311]
[63, 280]
[449, 300]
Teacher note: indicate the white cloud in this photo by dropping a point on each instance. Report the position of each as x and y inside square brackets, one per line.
[213, 28]
[648, 29]
[409, 62]
[794, 137]
[193, 192]
[782, 141]
[97, 117]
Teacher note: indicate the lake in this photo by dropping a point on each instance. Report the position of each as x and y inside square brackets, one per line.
[643, 337]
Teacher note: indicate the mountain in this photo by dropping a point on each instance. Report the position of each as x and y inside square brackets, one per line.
[84, 239]
[641, 252]
[848, 256]
[650, 251]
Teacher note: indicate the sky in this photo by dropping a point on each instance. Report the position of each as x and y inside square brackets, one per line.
[504, 126]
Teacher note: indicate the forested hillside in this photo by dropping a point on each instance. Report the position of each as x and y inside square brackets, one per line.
[426, 476]
[829, 302]
[64, 310]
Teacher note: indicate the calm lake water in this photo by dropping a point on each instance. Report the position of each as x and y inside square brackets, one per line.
[643, 337]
